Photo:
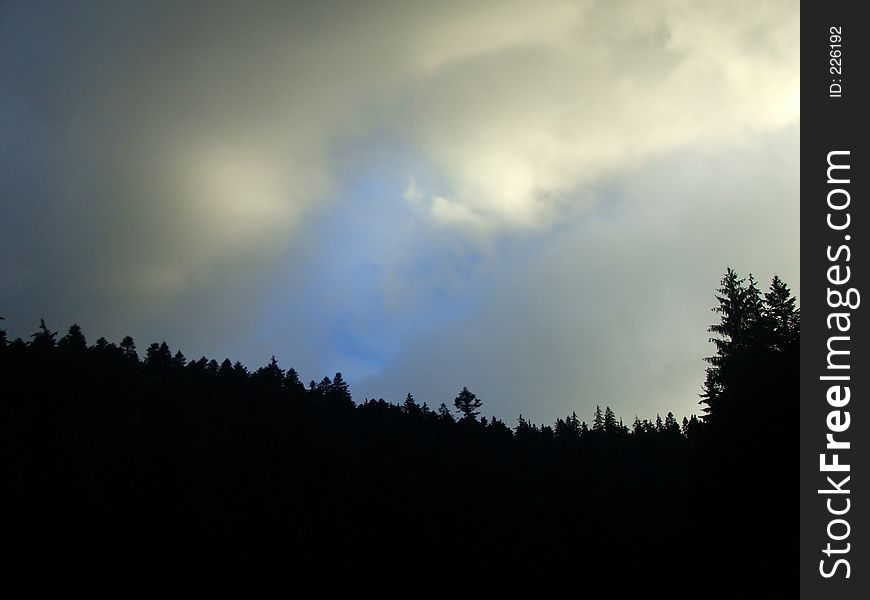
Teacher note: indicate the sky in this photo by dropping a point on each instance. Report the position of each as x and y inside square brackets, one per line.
[536, 200]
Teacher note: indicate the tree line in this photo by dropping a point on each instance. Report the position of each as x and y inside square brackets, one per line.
[161, 453]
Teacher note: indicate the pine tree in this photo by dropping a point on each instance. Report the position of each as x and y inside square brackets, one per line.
[637, 426]
[525, 428]
[565, 432]
[339, 391]
[782, 316]
[240, 371]
[271, 375]
[573, 423]
[671, 425]
[739, 313]
[320, 390]
[226, 368]
[751, 337]
[158, 357]
[73, 341]
[468, 404]
[690, 426]
[444, 414]
[43, 340]
[128, 347]
[610, 424]
[598, 420]
[410, 405]
[292, 384]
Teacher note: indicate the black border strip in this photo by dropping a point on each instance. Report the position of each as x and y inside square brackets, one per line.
[833, 122]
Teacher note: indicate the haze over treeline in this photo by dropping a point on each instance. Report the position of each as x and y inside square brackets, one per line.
[158, 453]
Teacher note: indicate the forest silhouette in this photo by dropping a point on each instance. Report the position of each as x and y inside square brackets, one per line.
[106, 453]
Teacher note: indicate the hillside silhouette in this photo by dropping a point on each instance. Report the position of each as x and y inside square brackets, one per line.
[110, 453]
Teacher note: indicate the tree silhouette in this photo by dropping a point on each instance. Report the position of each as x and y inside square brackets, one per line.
[339, 392]
[158, 357]
[74, 341]
[43, 339]
[468, 404]
[444, 414]
[671, 426]
[781, 316]
[128, 347]
[410, 405]
[609, 424]
[751, 337]
[739, 313]
[598, 420]
[199, 455]
[271, 375]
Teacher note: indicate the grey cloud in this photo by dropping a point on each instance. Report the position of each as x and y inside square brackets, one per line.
[161, 162]
[613, 309]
